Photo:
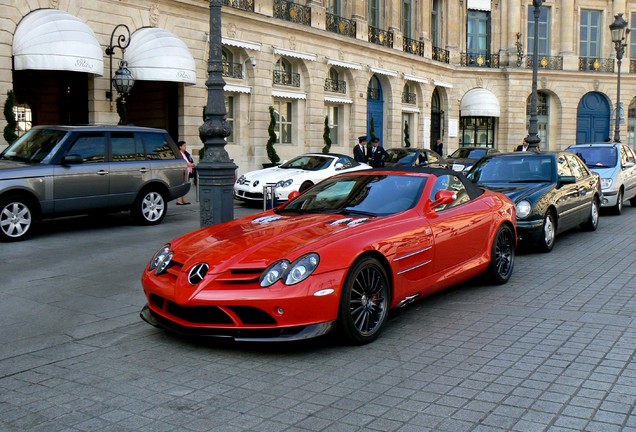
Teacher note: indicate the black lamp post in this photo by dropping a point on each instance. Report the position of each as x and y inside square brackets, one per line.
[216, 170]
[123, 80]
[533, 138]
[619, 31]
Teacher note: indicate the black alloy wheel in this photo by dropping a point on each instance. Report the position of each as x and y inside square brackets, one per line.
[503, 255]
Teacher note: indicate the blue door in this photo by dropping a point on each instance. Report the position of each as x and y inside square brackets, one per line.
[592, 121]
[375, 108]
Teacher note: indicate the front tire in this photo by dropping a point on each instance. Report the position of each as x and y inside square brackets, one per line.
[618, 208]
[150, 207]
[548, 234]
[364, 302]
[16, 219]
[592, 221]
[306, 185]
[502, 256]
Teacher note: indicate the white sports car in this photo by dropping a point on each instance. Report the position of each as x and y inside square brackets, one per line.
[297, 174]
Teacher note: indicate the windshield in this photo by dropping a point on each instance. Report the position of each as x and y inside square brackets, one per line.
[401, 156]
[511, 169]
[466, 153]
[597, 157]
[371, 195]
[308, 162]
[34, 146]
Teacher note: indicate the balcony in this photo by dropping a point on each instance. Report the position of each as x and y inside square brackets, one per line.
[593, 64]
[482, 60]
[335, 86]
[340, 25]
[409, 98]
[546, 62]
[287, 79]
[232, 70]
[413, 46]
[441, 55]
[292, 12]
[380, 37]
[247, 5]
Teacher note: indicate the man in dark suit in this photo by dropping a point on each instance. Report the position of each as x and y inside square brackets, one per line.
[377, 155]
[360, 150]
[523, 147]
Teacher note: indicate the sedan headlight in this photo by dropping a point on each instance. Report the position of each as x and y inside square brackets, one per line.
[284, 183]
[290, 273]
[606, 183]
[523, 209]
[241, 180]
[159, 257]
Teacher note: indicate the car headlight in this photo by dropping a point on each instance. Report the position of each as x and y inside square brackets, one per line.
[159, 257]
[523, 209]
[284, 183]
[301, 268]
[290, 273]
[241, 180]
[606, 183]
[273, 273]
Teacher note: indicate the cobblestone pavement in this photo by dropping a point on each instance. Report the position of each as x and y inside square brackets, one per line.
[550, 351]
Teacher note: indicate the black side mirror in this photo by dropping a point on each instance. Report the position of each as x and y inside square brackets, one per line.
[71, 159]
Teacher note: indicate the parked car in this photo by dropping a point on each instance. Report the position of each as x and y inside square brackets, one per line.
[407, 156]
[464, 158]
[338, 256]
[553, 192]
[615, 163]
[56, 171]
[295, 175]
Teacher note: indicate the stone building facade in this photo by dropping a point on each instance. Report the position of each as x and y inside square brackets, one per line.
[403, 70]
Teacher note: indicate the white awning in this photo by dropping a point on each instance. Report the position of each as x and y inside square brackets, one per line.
[50, 39]
[334, 99]
[254, 46]
[344, 64]
[406, 108]
[381, 71]
[442, 84]
[295, 54]
[483, 5]
[288, 94]
[415, 79]
[480, 102]
[158, 55]
[232, 88]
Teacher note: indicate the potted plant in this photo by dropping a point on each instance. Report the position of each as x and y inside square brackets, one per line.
[9, 130]
[271, 130]
[325, 136]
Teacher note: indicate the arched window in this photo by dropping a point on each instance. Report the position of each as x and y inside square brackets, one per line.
[284, 75]
[408, 94]
[373, 90]
[333, 83]
[230, 69]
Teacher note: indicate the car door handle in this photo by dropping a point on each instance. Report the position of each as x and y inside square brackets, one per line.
[143, 170]
[102, 172]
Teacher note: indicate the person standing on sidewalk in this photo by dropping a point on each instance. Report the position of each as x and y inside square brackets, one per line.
[189, 171]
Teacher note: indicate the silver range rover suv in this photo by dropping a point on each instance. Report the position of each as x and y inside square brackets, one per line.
[54, 171]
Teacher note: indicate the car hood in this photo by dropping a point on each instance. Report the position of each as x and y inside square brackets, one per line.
[10, 169]
[518, 191]
[274, 174]
[603, 172]
[254, 242]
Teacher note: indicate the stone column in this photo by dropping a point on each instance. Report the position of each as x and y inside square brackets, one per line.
[568, 28]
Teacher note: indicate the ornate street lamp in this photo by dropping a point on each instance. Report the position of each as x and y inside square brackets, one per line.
[619, 31]
[216, 170]
[123, 80]
[533, 138]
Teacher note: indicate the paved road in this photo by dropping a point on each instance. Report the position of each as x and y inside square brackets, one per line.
[550, 351]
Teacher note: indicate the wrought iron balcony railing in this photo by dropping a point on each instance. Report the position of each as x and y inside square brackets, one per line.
[293, 12]
[413, 46]
[594, 64]
[380, 37]
[373, 93]
[546, 62]
[409, 98]
[232, 70]
[441, 55]
[484, 60]
[247, 5]
[287, 79]
[340, 25]
[335, 86]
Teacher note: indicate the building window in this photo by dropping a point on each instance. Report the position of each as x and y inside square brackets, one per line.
[374, 17]
[284, 121]
[284, 75]
[407, 119]
[478, 33]
[435, 25]
[632, 36]
[408, 95]
[23, 118]
[544, 31]
[543, 117]
[229, 109]
[407, 17]
[590, 33]
[334, 84]
[333, 113]
[334, 7]
[477, 131]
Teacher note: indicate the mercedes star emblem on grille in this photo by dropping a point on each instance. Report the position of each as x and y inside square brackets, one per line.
[197, 273]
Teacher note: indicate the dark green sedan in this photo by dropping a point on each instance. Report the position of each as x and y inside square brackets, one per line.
[553, 192]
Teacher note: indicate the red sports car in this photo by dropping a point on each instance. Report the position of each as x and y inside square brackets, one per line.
[337, 257]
